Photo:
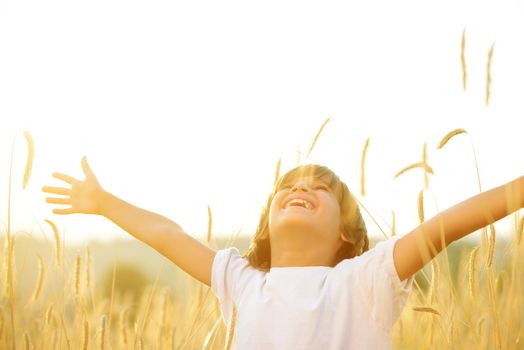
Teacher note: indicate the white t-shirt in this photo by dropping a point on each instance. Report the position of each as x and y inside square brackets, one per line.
[353, 305]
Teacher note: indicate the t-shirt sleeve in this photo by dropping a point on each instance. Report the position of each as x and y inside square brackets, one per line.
[377, 278]
[229, 275]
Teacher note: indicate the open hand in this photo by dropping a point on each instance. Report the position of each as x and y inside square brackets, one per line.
[82, 196]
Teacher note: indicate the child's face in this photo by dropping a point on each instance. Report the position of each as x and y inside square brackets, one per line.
[317, 223]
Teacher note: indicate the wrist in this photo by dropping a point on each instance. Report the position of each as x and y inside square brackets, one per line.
[103, 202]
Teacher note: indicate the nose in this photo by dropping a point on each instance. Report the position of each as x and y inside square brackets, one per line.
[300, 185]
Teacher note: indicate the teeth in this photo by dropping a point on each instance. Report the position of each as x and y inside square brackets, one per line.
[301, 201]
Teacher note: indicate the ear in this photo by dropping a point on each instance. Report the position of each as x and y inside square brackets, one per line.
[264, 235]
[343, 237]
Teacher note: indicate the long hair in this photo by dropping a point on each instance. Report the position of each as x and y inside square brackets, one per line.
[352, 224]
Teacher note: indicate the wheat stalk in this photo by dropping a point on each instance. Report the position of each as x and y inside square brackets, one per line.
[27, 342]
[449, 136]
[480, 322]
[363, 168]
[426, 309]
[57, 242]
[425, 161]
[85, 342]
[30, 157]
[40, 280]
[68, 342]
[488, 73]
[463, 59]
[77, 275]
[426, 168]
[471, 270]
[123, 325]
[209, 225]
[491, 245]
[277, 171]
[317, 135]
[211, 335]
[102, 331]
[421, 206]
[1, 324]
[393, 223]
[519, 230]
[231, 329]
[49, 315]
[435, 276]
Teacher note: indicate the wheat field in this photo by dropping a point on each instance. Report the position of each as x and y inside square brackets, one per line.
[463, 299]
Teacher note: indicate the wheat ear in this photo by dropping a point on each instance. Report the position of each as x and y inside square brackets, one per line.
[449, 136]
[40, 281]
[426, 309]
[488, 74]
[317, 136]
[363, 168]
[471, 270]
[426, 168]
[463, 59]
[30, 157]
[209, 225]
[57, 242]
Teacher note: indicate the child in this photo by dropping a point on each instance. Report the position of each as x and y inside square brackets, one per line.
[308, 279]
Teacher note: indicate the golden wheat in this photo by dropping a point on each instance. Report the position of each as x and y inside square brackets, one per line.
[77, 276]
[363, 168]
[30, 157]
[123, 325]
[425, 161]
[58, 250]
[317, 136]
[49, 315]
[102, 331]
[393, 223]
[519, 230]
[472, 269]
[463, 59]
[491, 246]
[231, 329]
[40, 280]
[435, 275]
[426, 168]
[85, 340]
[449, 136]
[421, 206]
[426, 309]
[88, 268]
[1, 324]
[277, 171]
[488, 73]
[209, 225]
[27, 342]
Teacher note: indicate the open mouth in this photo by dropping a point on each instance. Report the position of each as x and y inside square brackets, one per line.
[298, 202]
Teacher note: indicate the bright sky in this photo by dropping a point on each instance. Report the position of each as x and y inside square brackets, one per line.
[178, 105]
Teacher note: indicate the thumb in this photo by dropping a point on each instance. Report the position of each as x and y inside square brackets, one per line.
[85, 166]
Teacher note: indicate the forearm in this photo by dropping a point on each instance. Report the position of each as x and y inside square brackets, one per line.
[475, 213]
[144, 225]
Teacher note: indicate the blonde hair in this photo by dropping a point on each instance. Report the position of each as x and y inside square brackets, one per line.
[351, 222]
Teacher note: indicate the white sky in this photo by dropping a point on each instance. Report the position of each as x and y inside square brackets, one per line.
[178, 105]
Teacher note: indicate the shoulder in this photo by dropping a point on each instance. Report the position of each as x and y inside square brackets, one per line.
[382, 252]
[230, 269]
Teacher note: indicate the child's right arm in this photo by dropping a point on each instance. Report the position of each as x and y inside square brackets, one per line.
[157, 231]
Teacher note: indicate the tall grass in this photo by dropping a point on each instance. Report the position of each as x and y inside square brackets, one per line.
[476, 307]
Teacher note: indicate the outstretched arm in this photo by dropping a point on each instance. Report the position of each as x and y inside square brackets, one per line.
[418, 247]
[157, 231]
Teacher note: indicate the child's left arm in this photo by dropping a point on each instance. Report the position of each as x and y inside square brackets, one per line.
[417, 248]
